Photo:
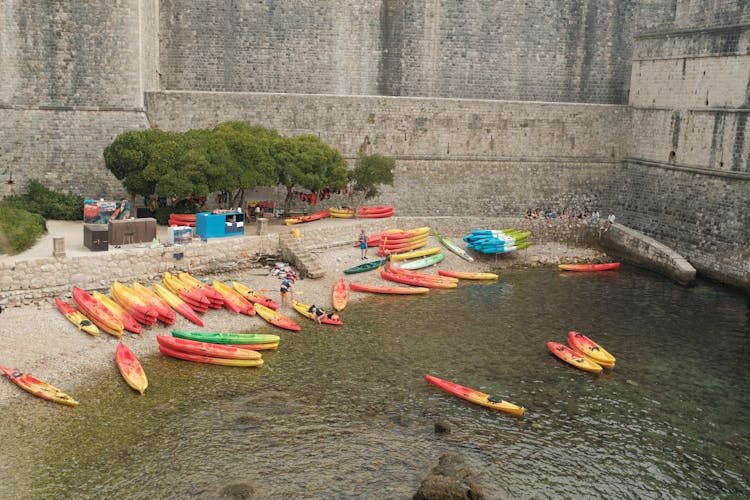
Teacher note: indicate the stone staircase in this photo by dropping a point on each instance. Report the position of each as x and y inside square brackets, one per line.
[293, 252]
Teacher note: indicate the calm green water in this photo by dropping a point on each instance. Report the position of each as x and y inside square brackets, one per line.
[345, 412]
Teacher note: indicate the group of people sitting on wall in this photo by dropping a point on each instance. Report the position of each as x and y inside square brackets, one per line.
[570, 216]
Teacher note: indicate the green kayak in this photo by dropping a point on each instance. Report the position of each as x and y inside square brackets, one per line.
[367, 266]
[453, 247]
[428, 261]
[227, 338]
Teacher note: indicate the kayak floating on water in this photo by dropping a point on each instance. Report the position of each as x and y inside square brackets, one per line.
[591, 349]
[573, 357]
[475, 396]
[611, 266]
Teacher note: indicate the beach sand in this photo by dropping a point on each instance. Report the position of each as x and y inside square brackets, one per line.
[39, 340]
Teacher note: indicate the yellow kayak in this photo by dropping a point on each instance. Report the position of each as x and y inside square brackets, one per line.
[468, 275]
[415, 254]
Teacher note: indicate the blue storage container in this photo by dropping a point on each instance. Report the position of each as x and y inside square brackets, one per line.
[208, 225]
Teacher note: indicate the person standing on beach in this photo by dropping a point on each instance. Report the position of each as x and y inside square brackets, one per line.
[363, 244]
[286, 289]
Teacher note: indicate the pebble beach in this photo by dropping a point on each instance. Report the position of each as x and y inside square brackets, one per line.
[37, 339]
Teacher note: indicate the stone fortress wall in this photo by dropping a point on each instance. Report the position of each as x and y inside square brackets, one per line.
[638, 106]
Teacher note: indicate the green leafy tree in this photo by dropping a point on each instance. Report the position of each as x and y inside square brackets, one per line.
[307, 162]
[369, 172]
[250, 162]
[128, 156]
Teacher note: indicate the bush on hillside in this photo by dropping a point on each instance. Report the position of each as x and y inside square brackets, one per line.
[49, 204]
[19, 229]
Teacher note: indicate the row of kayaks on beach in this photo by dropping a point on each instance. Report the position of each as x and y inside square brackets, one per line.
[363, 212]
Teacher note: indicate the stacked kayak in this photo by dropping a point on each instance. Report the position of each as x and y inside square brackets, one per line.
[97, 312]
[489, 241]
[468, 275]
[253, 296]
[375, 212]
[404, 241]
[193, 346]
[341, 213]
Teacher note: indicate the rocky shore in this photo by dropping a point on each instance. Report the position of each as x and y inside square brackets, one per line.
[37, 339]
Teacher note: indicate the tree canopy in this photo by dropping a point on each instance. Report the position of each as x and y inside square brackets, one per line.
[233, 157]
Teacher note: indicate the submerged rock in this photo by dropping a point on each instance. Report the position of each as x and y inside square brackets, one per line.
[450, 479]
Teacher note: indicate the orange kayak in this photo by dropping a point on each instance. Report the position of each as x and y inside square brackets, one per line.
[233, 300]
[573, 358]
[402, 290]
[253, 296]
[97, 312]
[416, 280]
[128, 321]
[165, 314]
[213, 296]
[590, 349]
[130, 368]
[612, 266]
[38, 388]
[197, 358]
[276, 318]
[177, 304]
[206, 348]
[340, 295]
[475, 396]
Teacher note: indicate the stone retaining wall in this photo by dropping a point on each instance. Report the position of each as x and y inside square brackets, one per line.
[27, 281]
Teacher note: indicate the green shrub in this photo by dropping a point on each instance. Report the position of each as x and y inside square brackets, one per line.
[19, 229]
[47, 203]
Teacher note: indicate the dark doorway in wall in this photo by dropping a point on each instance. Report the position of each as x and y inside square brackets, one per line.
[672, 156]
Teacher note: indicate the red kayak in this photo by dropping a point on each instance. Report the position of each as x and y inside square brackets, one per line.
[612, 266]
[475, 396]
[130, 368]
[402, 290]
[197, 358]
[417, 281]
[38, 388]
[206, 348]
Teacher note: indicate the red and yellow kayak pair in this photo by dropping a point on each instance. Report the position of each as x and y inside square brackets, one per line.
[583, 353]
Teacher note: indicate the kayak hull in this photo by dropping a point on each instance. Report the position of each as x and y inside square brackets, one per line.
[573, 357]
[130, 368]
[395, 290]
[611, 266]
[340, 295]
[227, 351]
[468, 275]
[38, 387]
[197, 358]
[475, 396]
[276, 318]
[77, 317]
[590, 349]
[227, 337]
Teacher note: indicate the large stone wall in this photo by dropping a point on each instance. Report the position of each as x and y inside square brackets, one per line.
[73, 77]
[539, 50]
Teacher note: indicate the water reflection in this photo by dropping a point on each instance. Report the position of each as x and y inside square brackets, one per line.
[345, 412]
